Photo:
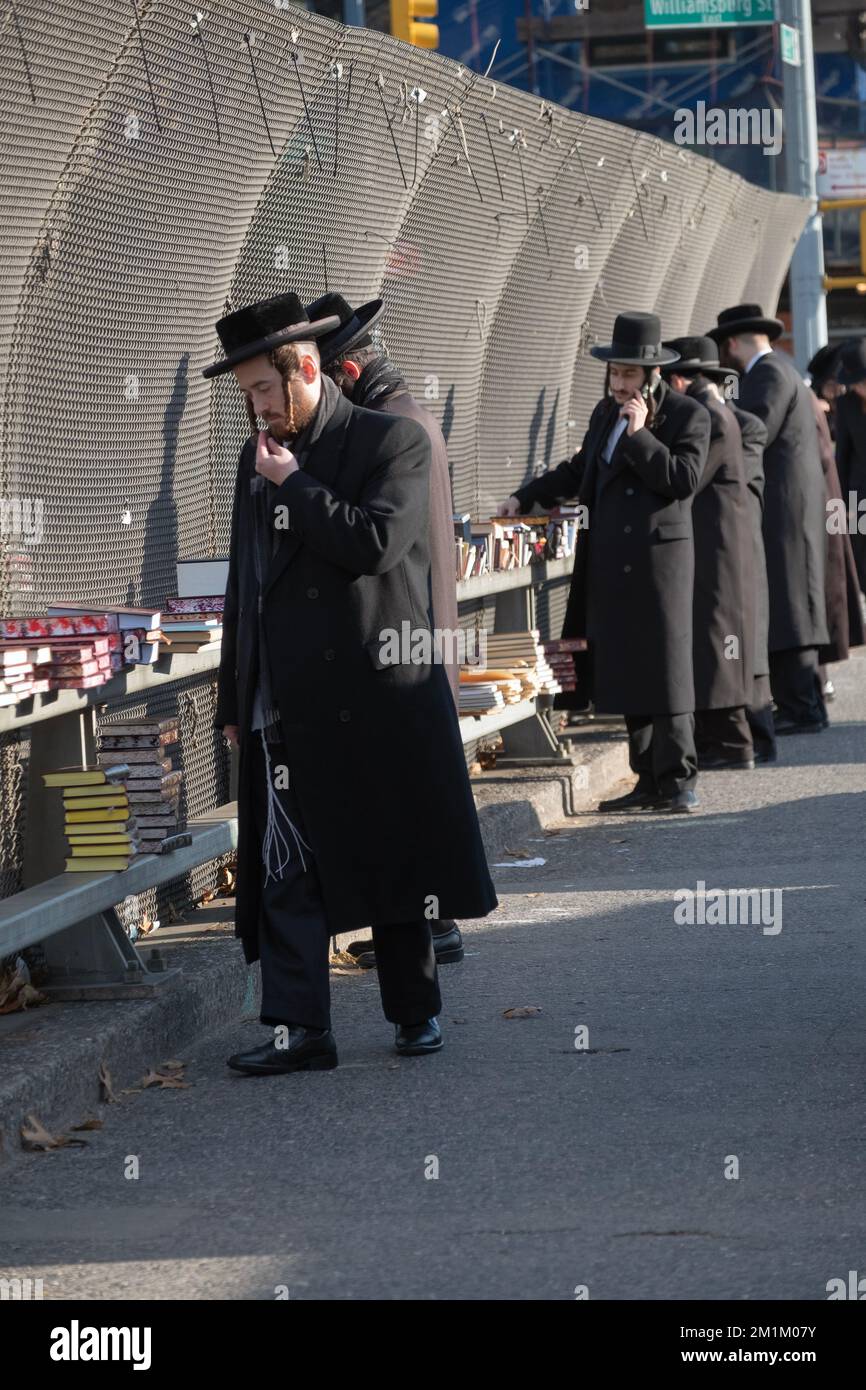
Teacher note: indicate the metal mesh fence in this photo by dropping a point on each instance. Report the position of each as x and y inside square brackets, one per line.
[155, 171]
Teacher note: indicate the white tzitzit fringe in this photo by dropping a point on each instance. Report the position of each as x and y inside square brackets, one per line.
[275, 843]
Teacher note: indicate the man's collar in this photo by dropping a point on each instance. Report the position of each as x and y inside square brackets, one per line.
[762, 352]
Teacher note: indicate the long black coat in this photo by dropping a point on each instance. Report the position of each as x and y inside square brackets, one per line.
[724, 568]
[753, 437]
[631, 588]
[851, 463]
[844, 619]
[443, 561]
[795, 537]
[374, 750]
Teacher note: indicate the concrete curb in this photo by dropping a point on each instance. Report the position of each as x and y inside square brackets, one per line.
[50, 1056]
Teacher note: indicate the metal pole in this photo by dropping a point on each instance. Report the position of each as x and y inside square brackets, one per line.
[808, 301]
[353, 13]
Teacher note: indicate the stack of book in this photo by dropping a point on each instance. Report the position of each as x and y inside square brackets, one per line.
[63, 653]
[479, 697]
[143, 746]
[138, 628]
[560, 655]
[524, 655]
[99, 825]
[17, 677]
[195, 614]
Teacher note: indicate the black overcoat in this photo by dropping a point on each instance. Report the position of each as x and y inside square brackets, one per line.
[631, 587]
[374, 750]
[753, 437]
[795, 537]
[724, 611]
[851, 463]
[844, 618]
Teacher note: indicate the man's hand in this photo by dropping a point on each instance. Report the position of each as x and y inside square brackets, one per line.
[231, 733]
[635, 411]
[272, 460]
[510, 508]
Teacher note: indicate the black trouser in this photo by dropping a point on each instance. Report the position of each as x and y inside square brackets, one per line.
[294, 932]
[661, 750]
[794, 680]
[724, 734]
[760, 717]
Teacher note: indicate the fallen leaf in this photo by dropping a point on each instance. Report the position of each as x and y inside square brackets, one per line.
[89, 1124]
[528, 1011]
[519, 853]
[553, 832]
[35, 1136]
[17, 994]
[158, 1078]
[105, 1082]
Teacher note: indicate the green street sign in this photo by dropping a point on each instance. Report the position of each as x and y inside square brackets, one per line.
[790, 45]
[690, 14]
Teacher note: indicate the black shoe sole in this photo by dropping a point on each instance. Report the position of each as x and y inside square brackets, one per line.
[727, 767]
[802, 729]
[367, 961]
[418, 1051]
[322, 1063]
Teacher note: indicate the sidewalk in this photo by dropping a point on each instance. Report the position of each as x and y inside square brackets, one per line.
[711, 1049]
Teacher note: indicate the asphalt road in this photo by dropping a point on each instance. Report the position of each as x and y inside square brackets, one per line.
[712, 1049]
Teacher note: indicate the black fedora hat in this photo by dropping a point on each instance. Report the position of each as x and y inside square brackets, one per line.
[259, 327]
[354, 324]
[637, 342]
[699, 355]
[852, 362]
[745, 318]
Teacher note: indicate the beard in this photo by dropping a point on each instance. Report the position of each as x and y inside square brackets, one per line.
[304, 411]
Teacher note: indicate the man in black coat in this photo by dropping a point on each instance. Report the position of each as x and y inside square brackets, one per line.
[724, 604]
[637, 472]
[367, 376]
[349, 742]
[759, 710]
[794, 512]
[851, 444]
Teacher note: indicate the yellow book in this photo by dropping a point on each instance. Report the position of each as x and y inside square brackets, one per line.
[108, 850]
[95, 837]
[83, 776]
[95, 803]
[92, 865]
[96, 817]
[108, 789]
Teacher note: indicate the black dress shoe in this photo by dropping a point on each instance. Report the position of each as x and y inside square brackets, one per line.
[685, 800]
[447, 947]
[413, 1039]
[801, 726]
[639, 798]
[766, 755]
[307, 1049]
[720, 764]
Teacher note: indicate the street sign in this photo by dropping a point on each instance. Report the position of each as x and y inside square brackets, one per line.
[842, 172]
[688, 14]
[790, 45]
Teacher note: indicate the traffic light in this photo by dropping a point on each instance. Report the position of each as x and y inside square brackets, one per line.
[405, 13]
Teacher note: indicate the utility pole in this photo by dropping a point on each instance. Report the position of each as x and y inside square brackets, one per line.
[808, 301]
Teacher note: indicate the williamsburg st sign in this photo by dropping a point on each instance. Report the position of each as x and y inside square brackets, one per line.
[695, 14]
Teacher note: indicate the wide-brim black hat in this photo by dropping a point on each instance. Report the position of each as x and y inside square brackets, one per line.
[745, 318]
[699, 354]
[824, 364]
[259, 327]
[637, 342]
[852, 362]
[354, 324]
